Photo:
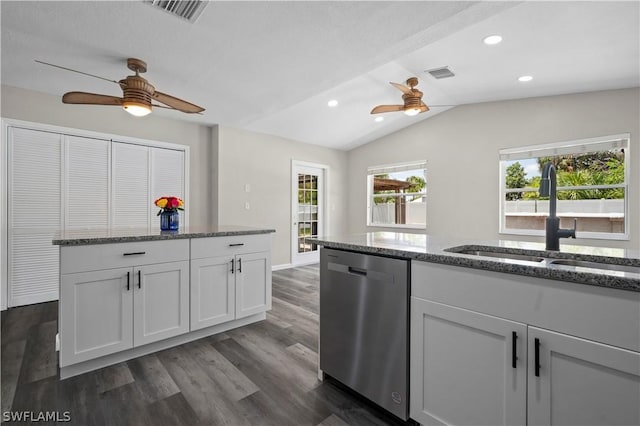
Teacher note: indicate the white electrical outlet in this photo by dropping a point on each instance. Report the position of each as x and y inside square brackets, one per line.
[247, 206]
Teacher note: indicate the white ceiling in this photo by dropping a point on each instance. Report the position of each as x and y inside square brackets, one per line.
[271, 67]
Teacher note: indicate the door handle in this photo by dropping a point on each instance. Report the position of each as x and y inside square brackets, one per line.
[358, 271]
[128, 280]
[514, 348]
[139, 278]
[537, 356]
[233, 265]
[240, 265]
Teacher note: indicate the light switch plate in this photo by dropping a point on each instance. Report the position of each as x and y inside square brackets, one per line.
[247, 187]
[247, 206]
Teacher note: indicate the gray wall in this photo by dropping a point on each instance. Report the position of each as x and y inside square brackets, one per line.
[264, 162]
[461, 148]
[38, 107]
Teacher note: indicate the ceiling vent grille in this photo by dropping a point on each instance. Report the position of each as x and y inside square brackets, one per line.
[442, 72]
[186, 9]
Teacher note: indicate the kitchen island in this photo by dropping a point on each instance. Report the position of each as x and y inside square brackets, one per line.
[504, 332]
[129, 292]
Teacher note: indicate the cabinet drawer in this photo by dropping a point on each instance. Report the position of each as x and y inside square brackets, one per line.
[223, 246]
[109, 256]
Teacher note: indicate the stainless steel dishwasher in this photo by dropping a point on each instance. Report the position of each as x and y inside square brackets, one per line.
[364, 325]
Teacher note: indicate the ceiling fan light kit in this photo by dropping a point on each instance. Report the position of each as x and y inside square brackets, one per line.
[137, 93]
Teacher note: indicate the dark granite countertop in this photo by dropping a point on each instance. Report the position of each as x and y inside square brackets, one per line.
[434, 249]
[127, 235]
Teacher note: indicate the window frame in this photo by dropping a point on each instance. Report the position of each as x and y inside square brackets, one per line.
[391, 168]
[601, 143]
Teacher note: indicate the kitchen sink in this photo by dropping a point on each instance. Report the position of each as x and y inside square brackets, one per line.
[543, 258]
[596, 265]
[512, 256]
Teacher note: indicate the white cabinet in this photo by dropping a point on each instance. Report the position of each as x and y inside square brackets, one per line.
[253, 283]
[461, 358]
[212, 291]
[127, 304]
[97, 314]
[580, 382]
[230, 278]
[160, 302]
[467, 368]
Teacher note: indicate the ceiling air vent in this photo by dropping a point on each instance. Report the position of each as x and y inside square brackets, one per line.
[189, 10]
[442, 72]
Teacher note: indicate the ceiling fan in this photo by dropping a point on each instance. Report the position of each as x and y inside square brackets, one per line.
[412, 98]
[137, 93]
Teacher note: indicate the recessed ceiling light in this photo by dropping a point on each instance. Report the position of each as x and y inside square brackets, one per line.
[379, 119]
[525, 78]
[492, 39]
[332, 103]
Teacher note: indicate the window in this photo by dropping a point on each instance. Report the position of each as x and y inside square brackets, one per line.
[397, 195]
[592, 177]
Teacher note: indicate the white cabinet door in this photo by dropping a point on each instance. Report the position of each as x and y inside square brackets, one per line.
[131, 204]
[462, 370]
[96, 313]
[580, 382]
[87, 175]
[212, 291]
[253, 283]
[34, 207]
[161, 301]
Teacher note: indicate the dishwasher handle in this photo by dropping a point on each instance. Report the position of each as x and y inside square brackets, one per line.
[357, 271]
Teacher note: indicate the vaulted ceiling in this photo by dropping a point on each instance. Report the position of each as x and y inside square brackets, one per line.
[271, 66]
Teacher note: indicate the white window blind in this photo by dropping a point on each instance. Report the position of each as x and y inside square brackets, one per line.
[564, 148]
[387, 169]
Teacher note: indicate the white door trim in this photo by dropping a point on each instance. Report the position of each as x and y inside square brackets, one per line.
[294, 194]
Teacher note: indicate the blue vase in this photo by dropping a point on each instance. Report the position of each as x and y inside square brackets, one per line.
[169, 220]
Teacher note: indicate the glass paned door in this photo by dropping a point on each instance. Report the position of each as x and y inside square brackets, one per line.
[307, 219]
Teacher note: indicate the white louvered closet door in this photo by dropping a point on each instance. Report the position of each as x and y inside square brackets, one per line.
[167, 179]
[34, 215]
[87, 183]
[130, 186]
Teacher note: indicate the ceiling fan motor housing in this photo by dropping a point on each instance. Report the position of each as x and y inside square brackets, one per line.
[413, 100]
[137, 90]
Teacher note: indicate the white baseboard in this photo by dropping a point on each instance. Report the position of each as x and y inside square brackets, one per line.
[283, 266]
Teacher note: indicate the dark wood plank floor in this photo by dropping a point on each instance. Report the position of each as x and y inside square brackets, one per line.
[261, 374]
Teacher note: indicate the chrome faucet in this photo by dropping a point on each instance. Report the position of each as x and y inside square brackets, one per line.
[548, 188]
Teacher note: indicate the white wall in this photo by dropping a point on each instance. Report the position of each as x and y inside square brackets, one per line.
[264, 162]
[461, 148]
[27, 105]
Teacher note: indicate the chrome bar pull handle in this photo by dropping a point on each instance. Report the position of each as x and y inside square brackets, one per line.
[139, 278]
[240, 265]
[233, 265]
[128, 280]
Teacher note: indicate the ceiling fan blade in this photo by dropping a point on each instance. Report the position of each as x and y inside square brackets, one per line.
[402, 88]
[423, 107]
[90, 99]
[176, 103]
[72, 70]
[387, 108]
